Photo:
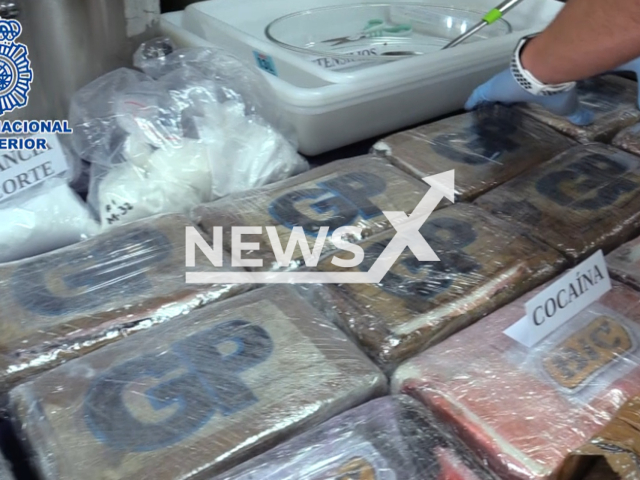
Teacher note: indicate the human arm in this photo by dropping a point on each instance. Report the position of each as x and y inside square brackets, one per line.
[588, 37]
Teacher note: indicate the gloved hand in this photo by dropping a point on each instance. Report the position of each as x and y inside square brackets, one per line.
[631, 67]
[504, 89]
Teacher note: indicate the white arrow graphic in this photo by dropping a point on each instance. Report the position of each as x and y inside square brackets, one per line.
[407, 235]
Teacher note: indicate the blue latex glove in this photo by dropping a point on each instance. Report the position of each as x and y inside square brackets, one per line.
[504, 89]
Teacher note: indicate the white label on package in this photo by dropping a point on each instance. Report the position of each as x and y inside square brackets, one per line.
[563, 300]
[23, 169]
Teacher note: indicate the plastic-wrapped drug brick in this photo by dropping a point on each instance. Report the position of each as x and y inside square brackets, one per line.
[352, 192]
[486, 148]
[484, 264]
[65, 303]
[585, 199]
[389, 438]
[629, 139]
[524, 410]
[194, 396]
[612, 99]
[624, 263]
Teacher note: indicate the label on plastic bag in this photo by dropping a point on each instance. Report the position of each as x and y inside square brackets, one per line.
[561, 301]
[586, 355]
[587, 352]
[23, 169]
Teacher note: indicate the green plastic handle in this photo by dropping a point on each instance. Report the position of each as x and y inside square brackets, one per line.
[492, 16]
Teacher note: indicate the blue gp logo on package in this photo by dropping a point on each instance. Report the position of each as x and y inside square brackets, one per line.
[189, 394]
[16, 77]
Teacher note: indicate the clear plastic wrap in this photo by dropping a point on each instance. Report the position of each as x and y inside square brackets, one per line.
[612, 99]
[65, 303]
[484, 264]
[151, 55]
[624, 263]
[617, 446]
[486, 148]
[585, 199]
[628, 139]
[352, 192]
[233, 79]
[194, 130]
[524, 410]
[389, 438]
[195, 396]
[51, 217]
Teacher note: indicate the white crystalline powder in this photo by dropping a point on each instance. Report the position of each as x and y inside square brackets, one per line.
[54, 218]
[234, 153]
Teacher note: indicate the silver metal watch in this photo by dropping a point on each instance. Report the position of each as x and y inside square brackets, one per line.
[530, 83]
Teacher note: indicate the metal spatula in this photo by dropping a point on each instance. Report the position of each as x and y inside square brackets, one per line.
[492, 16]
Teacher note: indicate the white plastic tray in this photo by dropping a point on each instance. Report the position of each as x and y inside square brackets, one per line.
[383, 98]
[240, 28]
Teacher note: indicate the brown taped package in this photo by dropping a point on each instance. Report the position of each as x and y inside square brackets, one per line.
[612, 99]
[194, 396]
[616, 446]
[484, 263]
[352, 192]
[624, 263]
[63, 304]
[485, 148]
[629, 139]
[585, 199]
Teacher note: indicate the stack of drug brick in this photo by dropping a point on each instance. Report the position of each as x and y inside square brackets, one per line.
[529, 411]
[118, 369]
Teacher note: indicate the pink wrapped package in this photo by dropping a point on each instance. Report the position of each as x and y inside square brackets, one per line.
[524, 410]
